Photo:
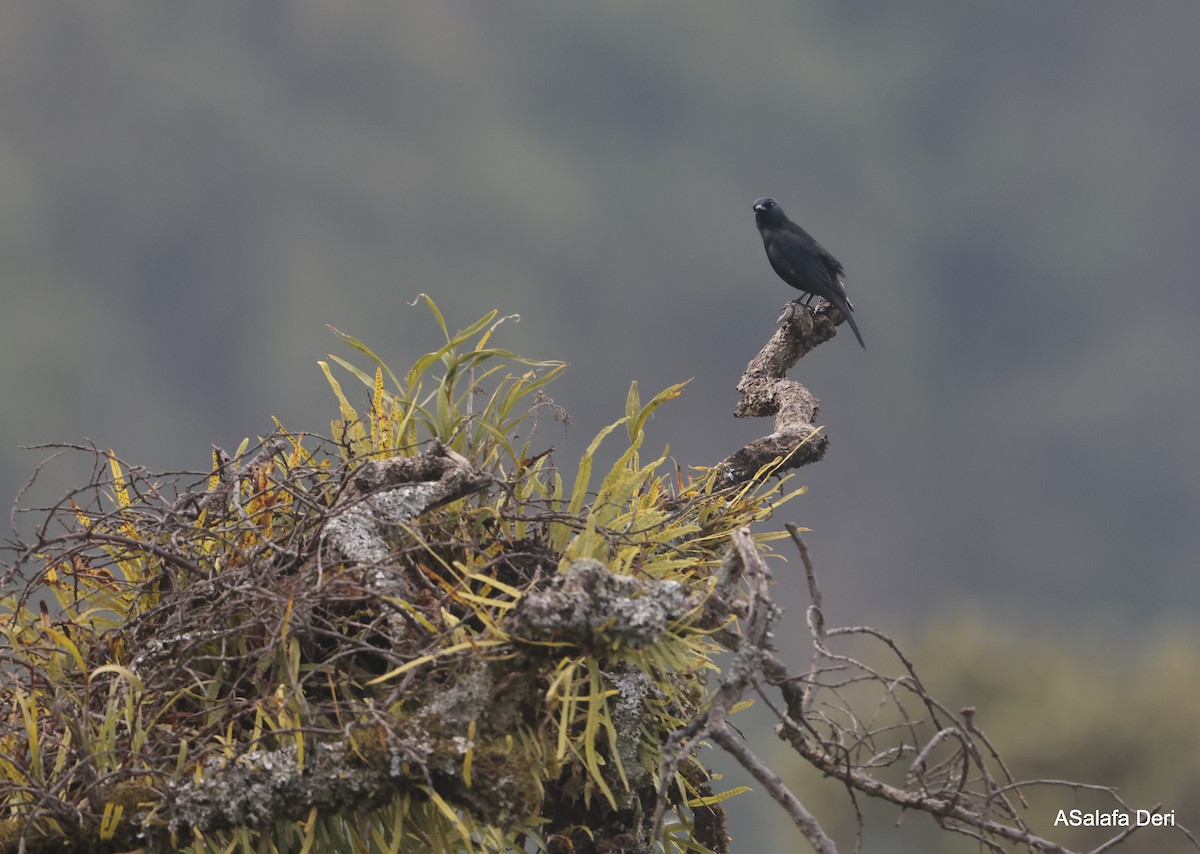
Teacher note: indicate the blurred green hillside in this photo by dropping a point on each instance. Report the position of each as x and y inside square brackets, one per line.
[189, 193]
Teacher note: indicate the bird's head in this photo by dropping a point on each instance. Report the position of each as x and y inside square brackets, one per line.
[768, 212]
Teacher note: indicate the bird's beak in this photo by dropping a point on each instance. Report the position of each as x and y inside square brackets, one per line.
[760, 207]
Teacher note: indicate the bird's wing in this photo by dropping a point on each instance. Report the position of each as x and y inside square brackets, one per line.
[837, 274]
[833, 265]
[802, 263]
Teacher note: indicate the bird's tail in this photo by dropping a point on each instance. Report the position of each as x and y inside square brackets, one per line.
[849, 312]
[847, 309]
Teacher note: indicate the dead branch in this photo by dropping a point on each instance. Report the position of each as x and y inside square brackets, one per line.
[764, 390]
[955, 775]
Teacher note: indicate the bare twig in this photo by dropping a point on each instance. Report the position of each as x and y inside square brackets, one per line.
[959, 790]
[775, 787]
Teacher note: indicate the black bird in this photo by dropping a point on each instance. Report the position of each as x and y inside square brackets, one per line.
[802, 262]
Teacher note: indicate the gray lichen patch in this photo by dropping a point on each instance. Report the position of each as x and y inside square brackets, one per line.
[590, 606]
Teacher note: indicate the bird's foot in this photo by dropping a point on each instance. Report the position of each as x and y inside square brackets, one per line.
[788, 312]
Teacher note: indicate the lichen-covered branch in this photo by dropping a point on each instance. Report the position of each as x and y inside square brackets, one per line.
[764, 390]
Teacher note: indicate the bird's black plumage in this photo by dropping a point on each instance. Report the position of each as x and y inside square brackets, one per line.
[802, 262]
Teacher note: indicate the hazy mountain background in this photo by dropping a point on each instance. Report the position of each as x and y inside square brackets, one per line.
[188, 193]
